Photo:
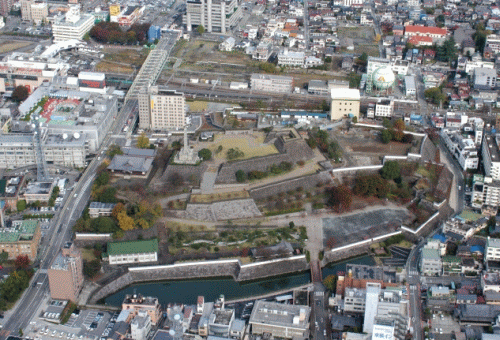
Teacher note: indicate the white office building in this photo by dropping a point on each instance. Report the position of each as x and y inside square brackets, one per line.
[410, 86]
[140, 326]
[492, 249]
[290, 58]
[464, 149]
[384, 109]
[271, 83]
[383, 306]
[73, 25]
[213, 15]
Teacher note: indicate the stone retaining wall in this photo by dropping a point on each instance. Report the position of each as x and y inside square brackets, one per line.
[194, 270]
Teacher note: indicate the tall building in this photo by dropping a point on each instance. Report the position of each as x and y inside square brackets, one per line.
[161, 109]
[345, 102]
[73, 25]
[39, 12]
[26, 9]
[213, 15]
[140, 326]
[5, 7]
[66, 274]
[386, 312]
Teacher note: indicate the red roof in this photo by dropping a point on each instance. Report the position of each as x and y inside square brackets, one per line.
[416, 40]
[425, 30]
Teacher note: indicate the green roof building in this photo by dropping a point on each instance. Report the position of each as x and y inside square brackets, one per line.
[133, 251]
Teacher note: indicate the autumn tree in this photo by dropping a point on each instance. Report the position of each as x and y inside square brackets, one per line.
[340, 198]
[330, 282]
[22, 262]
[20, 94]
[399, 125]
[143, 141]
[125, 222]
[119, 207]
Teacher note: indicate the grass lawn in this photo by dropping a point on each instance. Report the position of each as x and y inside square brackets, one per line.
[9, 46]
[404, 244]
[112, 67]
[219, 197]
[251, 145]
[88, 254]
[197, 106]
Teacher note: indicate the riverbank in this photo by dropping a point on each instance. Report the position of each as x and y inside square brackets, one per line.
[186, 291]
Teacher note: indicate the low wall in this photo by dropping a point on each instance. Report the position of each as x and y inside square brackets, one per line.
[203, 269]
[419, 229]
[93, 237]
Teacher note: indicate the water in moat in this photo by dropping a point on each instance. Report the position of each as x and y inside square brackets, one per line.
[186, 291]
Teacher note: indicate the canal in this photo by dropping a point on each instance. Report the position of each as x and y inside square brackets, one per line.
[186, 291]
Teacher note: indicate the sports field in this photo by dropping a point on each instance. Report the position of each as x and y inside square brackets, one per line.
[251, 145]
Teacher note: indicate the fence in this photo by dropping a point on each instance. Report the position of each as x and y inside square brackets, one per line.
[422, 226]
[360, 243]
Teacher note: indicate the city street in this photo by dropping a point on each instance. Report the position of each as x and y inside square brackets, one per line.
[61, 231]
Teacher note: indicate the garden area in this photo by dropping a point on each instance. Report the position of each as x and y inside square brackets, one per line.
[229, 238]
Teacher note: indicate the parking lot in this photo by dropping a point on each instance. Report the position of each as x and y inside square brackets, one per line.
[443, 324]
[82, 325]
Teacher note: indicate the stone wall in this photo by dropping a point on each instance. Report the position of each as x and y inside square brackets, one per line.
[186, 171]
[306, 182]
[194, 270]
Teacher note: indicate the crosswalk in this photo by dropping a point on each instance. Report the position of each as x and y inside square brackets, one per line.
[413, 272]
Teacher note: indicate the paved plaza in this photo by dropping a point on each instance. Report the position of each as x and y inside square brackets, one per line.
[362, 225]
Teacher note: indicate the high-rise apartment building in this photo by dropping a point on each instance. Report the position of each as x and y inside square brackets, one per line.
[161, 109]
[66, 274]
[213, 15]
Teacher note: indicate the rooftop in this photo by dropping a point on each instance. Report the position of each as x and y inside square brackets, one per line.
[133, 247]
[430, 254]
[493, 242]
[221, 317]
[130, 164]
[19, 231]
[492, 144]
[345, 93]
[272, 313]
[425, 30]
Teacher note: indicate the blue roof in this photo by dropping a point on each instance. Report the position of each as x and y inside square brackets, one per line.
[440, 238]
[473, 249]
[304, 113]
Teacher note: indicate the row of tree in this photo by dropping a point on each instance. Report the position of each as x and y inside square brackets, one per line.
[111, 32]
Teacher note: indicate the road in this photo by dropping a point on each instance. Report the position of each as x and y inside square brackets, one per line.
[60, 232]
[319, 315]
[413, 279]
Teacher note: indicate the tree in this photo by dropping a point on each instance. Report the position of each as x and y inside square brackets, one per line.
[22, 262]
[340, 198]
[4, 256]
[330, 283]
[176, 145]
[143, 141]
[241, 176]
[354, 80]
[386, 136]
[447, 52]
[434, 95]
[20, 94]
[102, 179]
[91, 268]
[291, 225]
[200, 29]
[142, 223]
[399, 125]
[354, 120]
[205, 154]
[391, 170]
[103, 224]
[408, 138]
[114, 150]
[119, 207]
[451, 249]
[21, 205]
[125, 222]
[492, 223]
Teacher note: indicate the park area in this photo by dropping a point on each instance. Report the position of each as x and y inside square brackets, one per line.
[251, 145]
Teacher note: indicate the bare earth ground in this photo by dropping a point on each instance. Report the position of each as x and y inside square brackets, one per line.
[121, 60]
[8, 46]
[363, 38]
